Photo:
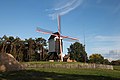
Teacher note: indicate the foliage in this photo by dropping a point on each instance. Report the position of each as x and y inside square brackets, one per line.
[98, 58]
[116, 62]
[106, 61]
[77, 52]
[24, 50]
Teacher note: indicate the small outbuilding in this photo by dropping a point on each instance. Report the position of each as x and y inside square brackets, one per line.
[66, 58]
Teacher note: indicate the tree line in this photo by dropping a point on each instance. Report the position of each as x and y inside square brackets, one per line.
[77, 52]
[36, 50]
[24, 50]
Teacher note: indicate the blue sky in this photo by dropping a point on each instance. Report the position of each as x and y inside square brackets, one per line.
[99, 20]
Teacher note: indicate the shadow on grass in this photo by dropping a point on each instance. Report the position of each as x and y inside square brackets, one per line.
[38, 75]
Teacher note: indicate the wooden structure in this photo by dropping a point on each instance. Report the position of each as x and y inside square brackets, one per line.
[55, 42]
[54, 46]
[66, 58]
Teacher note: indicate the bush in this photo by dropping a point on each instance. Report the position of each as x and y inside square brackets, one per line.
[117, 62]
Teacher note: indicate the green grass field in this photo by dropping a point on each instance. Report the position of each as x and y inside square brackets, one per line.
[62, 74]
[116, 68]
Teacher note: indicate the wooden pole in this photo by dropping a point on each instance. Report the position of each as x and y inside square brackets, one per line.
[59, 31]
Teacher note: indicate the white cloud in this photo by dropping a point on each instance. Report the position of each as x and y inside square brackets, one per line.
[108, 52]
[108, 46]
[113, 55]
[107, 38]
[65, 8]
[100, 49]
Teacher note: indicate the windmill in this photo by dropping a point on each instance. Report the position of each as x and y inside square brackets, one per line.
[55, 41]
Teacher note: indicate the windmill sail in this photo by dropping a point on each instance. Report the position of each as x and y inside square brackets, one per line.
[44, 31]
[56, 45]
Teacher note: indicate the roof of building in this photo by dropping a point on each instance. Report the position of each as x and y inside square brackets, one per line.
[67, 56]
[53, 36]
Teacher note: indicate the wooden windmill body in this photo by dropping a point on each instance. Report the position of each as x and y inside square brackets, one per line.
[55, 41]
[55, 45]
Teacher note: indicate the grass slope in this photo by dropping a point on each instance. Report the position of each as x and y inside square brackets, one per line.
[116, 68]
[62, 74]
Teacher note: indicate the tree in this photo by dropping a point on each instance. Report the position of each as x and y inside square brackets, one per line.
[106, 61]
[1, 42]
[115, 62]
[4, 44]
[24, 50]
[31, 49]
[16, 49]
[96, 58]
[77, 52]
[40, 44]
